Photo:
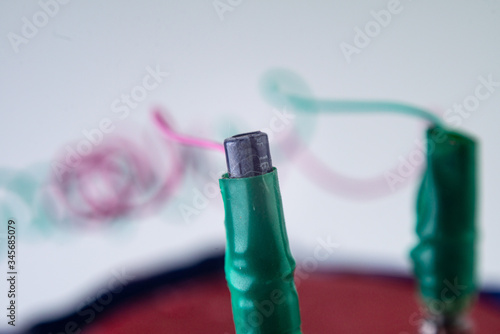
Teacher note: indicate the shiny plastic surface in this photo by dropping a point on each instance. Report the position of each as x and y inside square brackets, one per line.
[258, 264]
[444, 258]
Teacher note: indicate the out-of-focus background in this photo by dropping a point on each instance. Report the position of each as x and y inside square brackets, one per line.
[79, 79]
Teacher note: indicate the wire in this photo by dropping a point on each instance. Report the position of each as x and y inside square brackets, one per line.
[304, 103]
[167, 131]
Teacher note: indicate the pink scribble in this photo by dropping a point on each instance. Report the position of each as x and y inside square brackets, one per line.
[170, 134]
[121, 177]
[335, 182]
[117, 179]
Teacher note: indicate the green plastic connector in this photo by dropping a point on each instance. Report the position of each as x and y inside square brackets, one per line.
[444, 258]
[259, 266]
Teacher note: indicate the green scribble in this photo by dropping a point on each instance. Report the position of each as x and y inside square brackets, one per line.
[282, 87]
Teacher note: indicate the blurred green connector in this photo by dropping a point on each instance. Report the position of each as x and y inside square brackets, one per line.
[444, 258]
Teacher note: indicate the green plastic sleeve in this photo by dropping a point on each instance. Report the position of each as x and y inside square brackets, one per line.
[258, 264]
[444, 258]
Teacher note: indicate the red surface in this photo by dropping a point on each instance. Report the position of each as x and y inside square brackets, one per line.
[340, 304]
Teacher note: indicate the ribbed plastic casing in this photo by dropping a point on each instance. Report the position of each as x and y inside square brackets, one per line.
[259, 266]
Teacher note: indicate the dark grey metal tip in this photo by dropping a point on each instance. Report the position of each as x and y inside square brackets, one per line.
[248, 154]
